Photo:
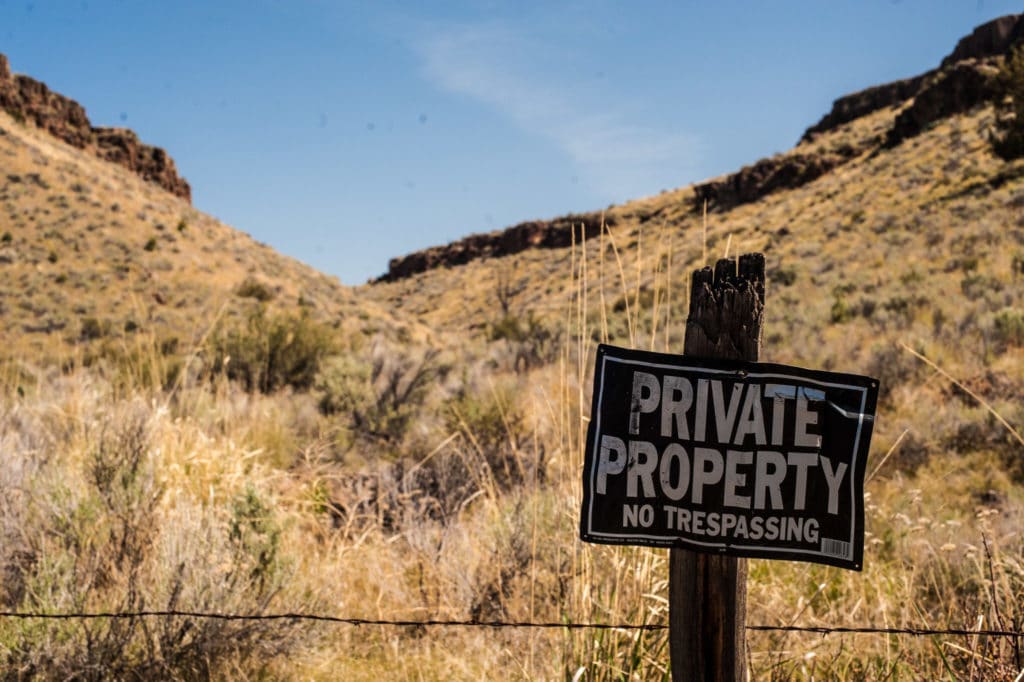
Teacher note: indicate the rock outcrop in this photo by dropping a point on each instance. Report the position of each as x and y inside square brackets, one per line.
[966, 78]
[31, 101]
[867, 101]
[122, 146]
[991, 39]
[769, 175]
[534, 234]
[950, 91]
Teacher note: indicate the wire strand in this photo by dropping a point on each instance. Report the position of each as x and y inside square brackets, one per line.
[915, 632]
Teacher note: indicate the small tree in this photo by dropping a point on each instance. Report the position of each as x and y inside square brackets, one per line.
[505, 290]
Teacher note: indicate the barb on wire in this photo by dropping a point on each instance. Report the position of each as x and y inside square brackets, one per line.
[822, 630]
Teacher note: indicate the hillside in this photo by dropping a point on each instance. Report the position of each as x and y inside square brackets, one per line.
[903, 163]
[425, 461]
[94, 250]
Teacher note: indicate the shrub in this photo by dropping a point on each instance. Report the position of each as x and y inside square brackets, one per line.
[256, 537]
[380, 395]
[975, 286]
[533, 343]
[867, 307]
[343, 382]
[642, 300]
[253, 288]
[150, 244]
[1008, 327]
[892, 366]
[904, 307]
[841, 311]
[493, 426]
[269, 351]
[92, 329]
[95, 538]
[784, 276]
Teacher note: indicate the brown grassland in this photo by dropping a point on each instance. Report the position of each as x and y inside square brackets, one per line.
[190, 421]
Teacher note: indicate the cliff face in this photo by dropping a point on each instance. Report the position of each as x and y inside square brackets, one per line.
[534, 234]
[30, 101]
[122, 146]
[992, 39]
[867, 101]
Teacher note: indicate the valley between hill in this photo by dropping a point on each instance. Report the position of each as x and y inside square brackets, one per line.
[191, 421]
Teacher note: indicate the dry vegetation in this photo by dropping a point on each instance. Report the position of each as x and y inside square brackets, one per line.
[339, 460]
[90, 253]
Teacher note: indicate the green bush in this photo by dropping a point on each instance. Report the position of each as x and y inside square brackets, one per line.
[272, 350]
[92, 328]
[256, 538]
[253, 288]
[344, 384]
[1008, 327]
[533, 343]
[95, 540]
[784, 276]
[892, 366]
[975, 286]
[493, 427]
[382, 394]
[841, 311]
[150, 244]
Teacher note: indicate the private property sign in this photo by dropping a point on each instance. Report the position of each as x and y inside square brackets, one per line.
[739, 458]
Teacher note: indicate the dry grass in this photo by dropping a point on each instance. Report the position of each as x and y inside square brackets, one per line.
[92, 255]
[133, 477]
[235, 502]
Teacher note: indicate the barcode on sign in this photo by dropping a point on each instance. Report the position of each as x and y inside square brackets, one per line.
[836, 548]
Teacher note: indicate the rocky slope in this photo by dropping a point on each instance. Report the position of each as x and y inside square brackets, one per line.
[27, 100]
[91, 253]
[965, 79]
[899, 214]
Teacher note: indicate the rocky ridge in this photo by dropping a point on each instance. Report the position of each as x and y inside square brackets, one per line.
[29, 100]
[533, 234]
[965, 79]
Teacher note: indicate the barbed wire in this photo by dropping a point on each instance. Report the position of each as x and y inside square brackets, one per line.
[822, 630]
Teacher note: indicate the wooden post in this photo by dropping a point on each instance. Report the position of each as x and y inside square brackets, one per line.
[707, 592]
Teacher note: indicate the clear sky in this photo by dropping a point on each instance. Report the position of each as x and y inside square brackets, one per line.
[345, 133]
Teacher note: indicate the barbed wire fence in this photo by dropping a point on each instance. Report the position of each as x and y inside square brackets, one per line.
[568, 625]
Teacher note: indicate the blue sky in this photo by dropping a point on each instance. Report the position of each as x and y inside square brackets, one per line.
[344, 134]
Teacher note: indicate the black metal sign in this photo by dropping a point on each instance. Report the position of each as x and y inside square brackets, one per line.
[739, 458]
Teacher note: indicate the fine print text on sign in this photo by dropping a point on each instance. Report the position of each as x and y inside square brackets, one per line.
[740, 458]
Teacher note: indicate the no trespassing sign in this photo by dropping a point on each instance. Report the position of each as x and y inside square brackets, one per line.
[728, 457]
